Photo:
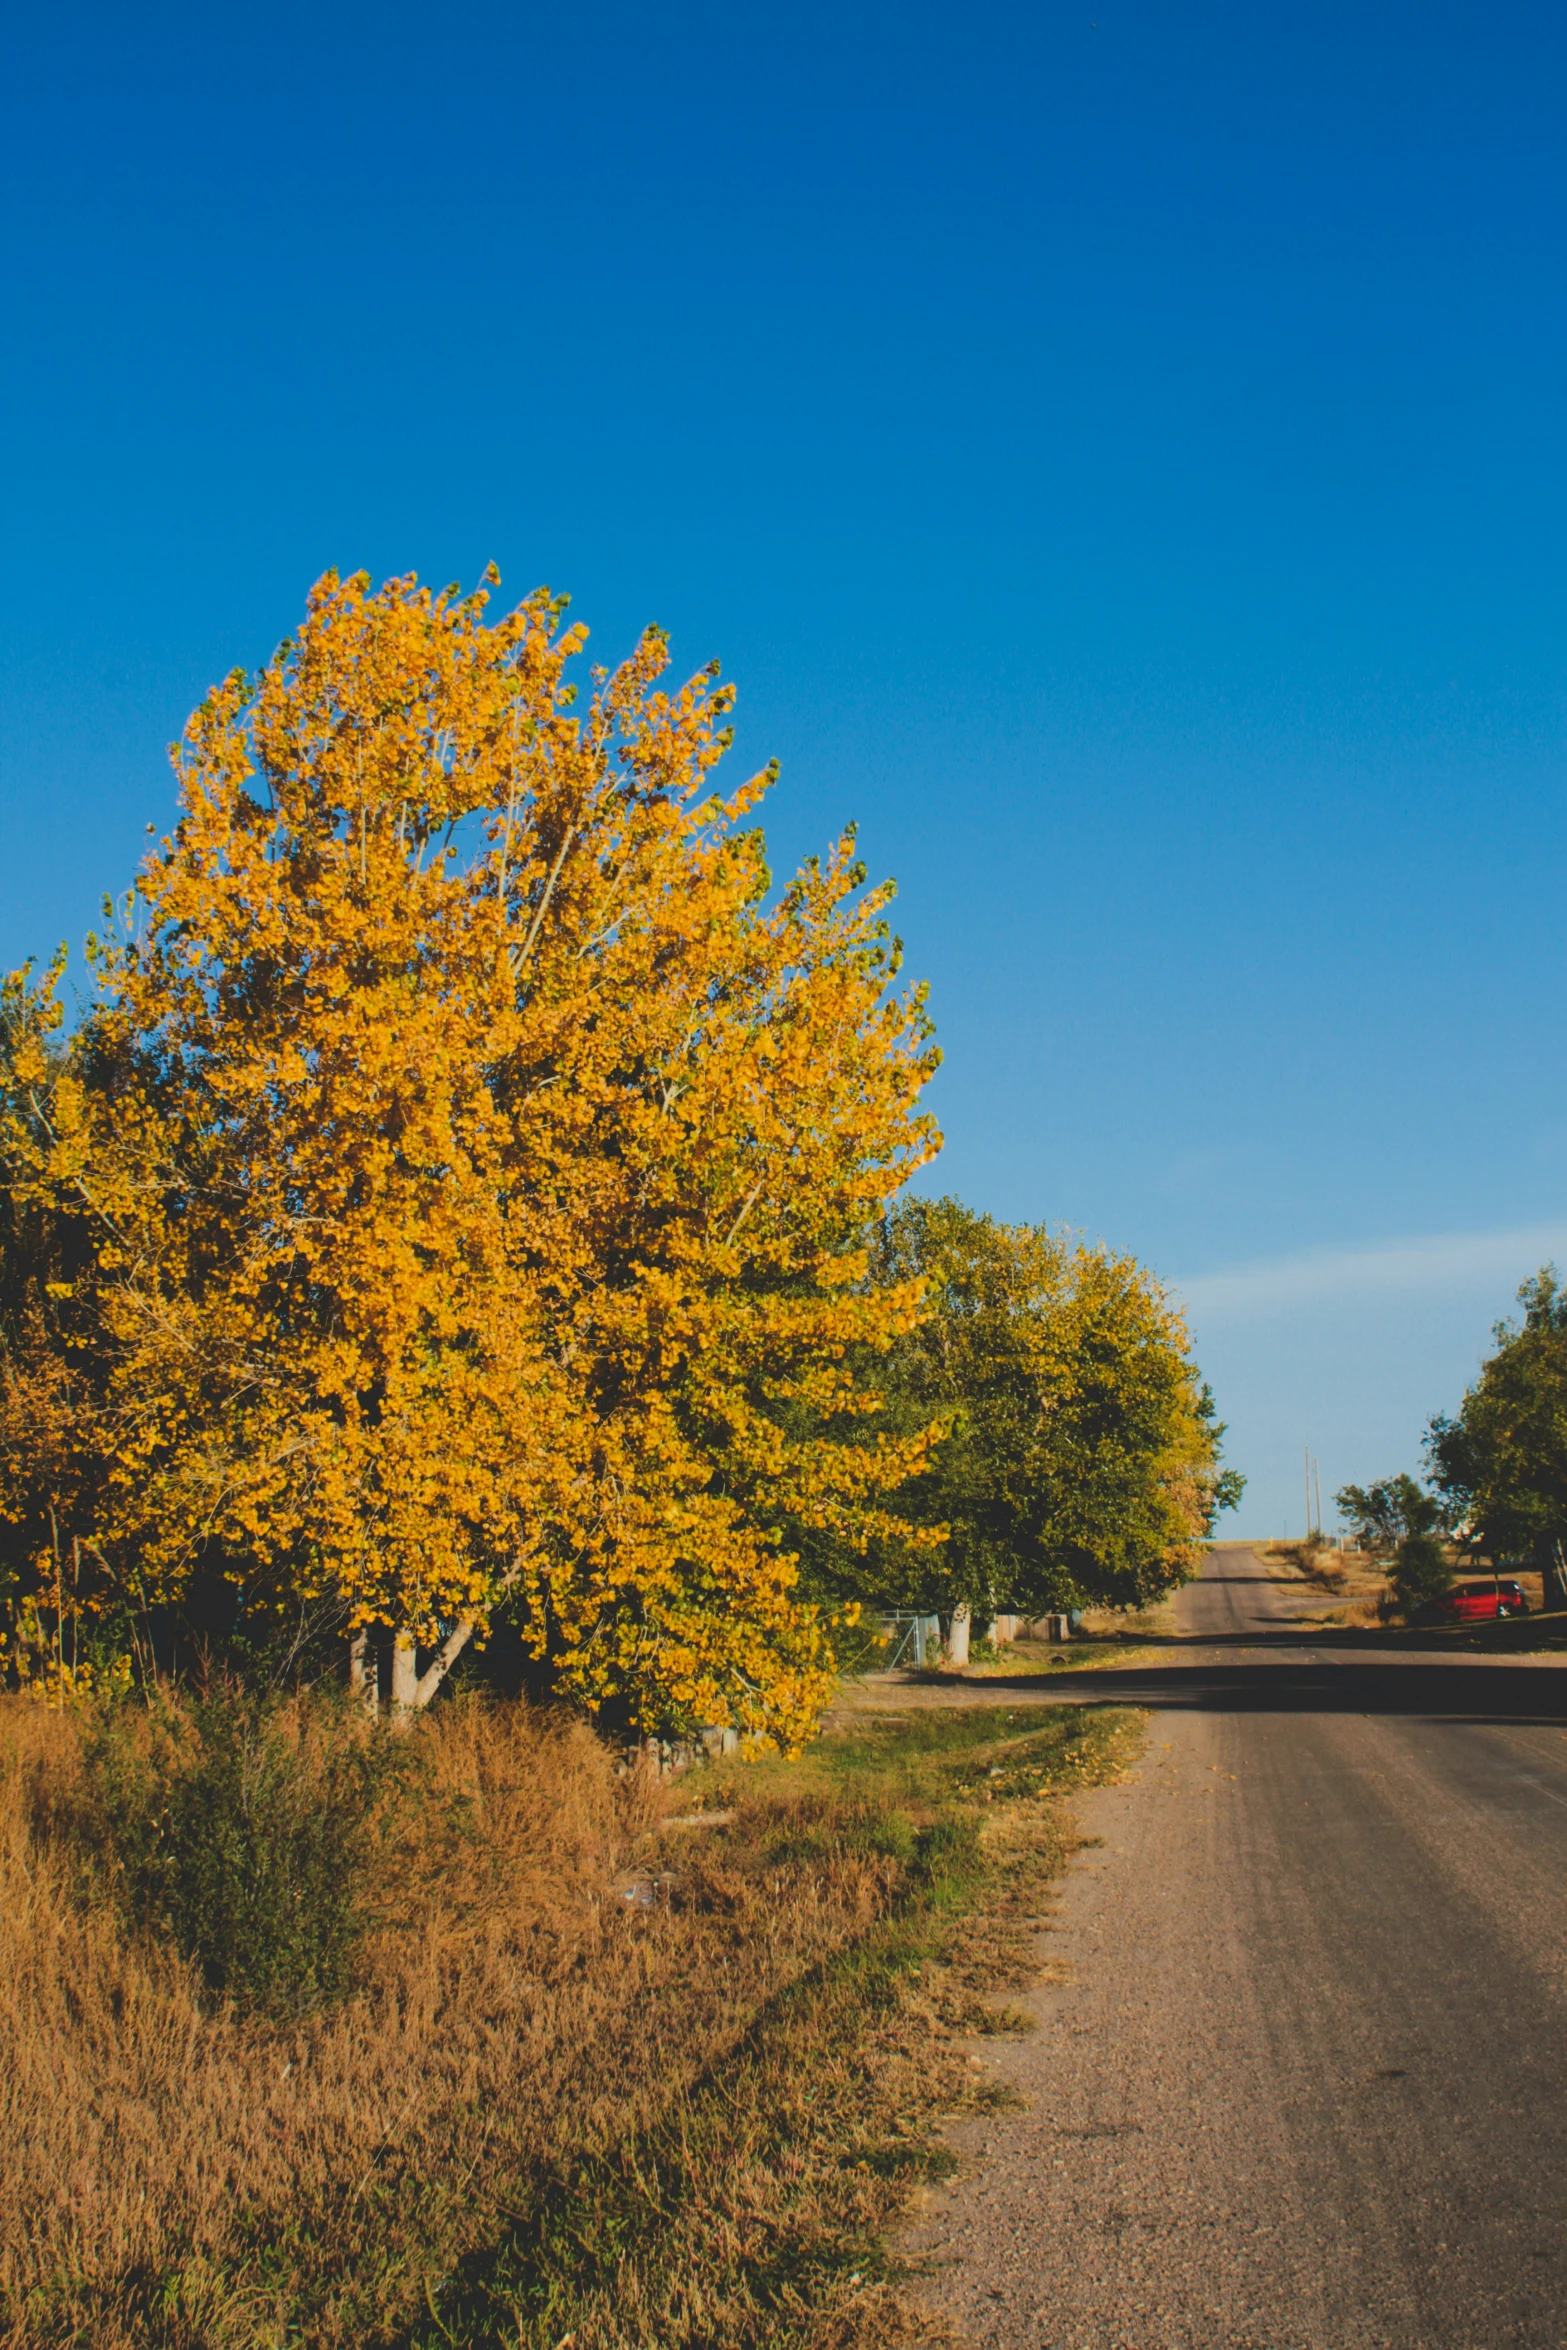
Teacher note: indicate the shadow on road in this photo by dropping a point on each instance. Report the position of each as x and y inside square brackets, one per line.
[1427, 1687]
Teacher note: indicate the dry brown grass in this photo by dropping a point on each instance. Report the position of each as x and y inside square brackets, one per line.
[544, 2107]
[1357, 1584]
[510, 1998]
[1353, 1583]
[1158, 1621]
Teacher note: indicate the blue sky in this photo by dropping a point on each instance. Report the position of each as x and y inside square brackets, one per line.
[1118, 450]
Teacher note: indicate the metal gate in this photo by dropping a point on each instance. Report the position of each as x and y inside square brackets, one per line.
[914, 1639]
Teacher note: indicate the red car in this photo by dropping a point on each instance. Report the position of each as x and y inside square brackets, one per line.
[1482, 1602]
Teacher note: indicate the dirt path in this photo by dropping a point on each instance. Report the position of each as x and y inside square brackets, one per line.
[1305, 2085]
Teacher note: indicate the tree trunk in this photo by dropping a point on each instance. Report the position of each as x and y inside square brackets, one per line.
[1553, 1583]
[413, 1690]
[362, 1676]
[957, 1638]
[405, 1676]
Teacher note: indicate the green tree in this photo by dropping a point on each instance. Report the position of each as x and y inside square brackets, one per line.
[1501, 1463]
[1078, 1461]
[56, 1435]
[1382, 1515]
[1422, 1572]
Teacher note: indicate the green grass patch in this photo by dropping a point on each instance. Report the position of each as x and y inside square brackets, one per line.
[1023, 1659]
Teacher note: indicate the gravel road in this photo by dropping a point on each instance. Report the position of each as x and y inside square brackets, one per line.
[1304, 2085]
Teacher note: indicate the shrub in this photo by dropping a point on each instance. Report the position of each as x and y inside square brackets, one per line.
[1422, 1572]
[243, 1829]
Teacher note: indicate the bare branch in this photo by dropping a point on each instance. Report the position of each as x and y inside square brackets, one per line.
[519, 959]
[751, 1198]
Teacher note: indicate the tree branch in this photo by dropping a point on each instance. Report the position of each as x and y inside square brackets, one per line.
[544, 903]
[751, 1198]
[441, 1663]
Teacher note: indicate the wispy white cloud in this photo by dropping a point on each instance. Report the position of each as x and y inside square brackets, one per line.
[1428, 1266]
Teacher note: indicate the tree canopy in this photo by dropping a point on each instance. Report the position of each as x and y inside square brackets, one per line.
[468, 1193]
[1501, 1461]
[456, 1194]
[1078, 1461]
[1383, 1515]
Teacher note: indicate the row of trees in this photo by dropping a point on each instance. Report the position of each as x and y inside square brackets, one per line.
[1497, 1469]
[1078, 1454]
[467, 1195]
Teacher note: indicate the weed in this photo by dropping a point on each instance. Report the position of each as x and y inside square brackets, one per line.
[242, 1828]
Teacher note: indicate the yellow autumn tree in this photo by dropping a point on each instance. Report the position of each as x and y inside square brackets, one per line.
[467, 1167]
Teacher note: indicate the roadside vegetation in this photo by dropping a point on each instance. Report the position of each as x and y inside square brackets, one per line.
[467, 1212]
[561, 2051]
[1020, 1658]
[1403, 1531]
[463, 1330]
[1500, 1463]
[1496, 1500]
[1077, 1457]
[1353, 1582]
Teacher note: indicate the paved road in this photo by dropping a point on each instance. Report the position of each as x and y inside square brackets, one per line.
[1305, 2087]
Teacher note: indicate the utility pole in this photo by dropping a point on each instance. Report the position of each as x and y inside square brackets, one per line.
[1307, 1451]
[1316, 1470]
